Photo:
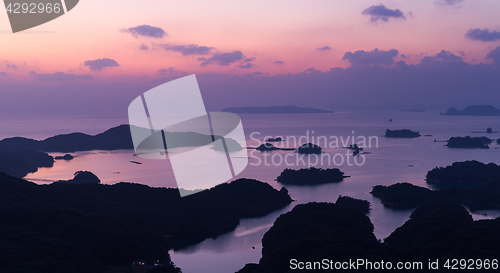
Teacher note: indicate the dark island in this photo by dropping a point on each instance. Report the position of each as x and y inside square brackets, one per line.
[355, 149]
[310, 176]
[277, 139]
[470, 183]
[82, 177]
[464, 174]
[20, 163]
[309, 148]
[266, 147]
[115, 138]
[288, 109]
[302, 239]
[469, 142]
[403, 133]
[474, 110]
[72, 227]
[66, 157]
[357, 204]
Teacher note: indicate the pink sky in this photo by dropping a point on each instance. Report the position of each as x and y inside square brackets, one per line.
[269, 31]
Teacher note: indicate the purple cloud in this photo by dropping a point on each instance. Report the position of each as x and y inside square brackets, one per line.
[325, 48]
[170, 72]
[247, 65]
[380, 12]
[11, 66]
[146, 31]
[143, 47]
[188, 50]
[223, 58]
[99, 64]
[483, 35]
[60, 77]
[443, 57]
[4, 74]
[447, 2]
[279, 62]
[494, 55]
[375, 56]
[260, 73]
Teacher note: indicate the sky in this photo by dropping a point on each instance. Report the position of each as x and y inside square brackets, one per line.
[335, 55]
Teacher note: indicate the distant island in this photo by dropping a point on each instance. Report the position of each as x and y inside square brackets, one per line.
[310, 176]
[474, 110]
[20, 156]
[264, 147]
[316, 232]
[66, 157]
[469, 142]
[418, 110]
[403, 133]
[288, 109]
[68, 227]
[116, 138]
[464, 174]
[309, 148]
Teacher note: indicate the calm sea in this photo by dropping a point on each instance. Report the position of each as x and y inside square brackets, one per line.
[388, 161]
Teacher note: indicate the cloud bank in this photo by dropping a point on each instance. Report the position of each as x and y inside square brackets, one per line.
[381, 12]
[375, 56]
[60, 77]
[223, 58]
[100, 64]
[187, 49]
[483, 35]
[146, 31]
[325, 48]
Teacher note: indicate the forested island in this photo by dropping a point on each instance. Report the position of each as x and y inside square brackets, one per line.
[67, 227]
[474, 110]
[310, 176]
[309, 148]
[469, 142]
[312, 232]
[288, 109]
[403, 133]
[471, 183]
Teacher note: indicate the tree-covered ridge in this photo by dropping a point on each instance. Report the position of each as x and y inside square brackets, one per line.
[316, 231]
[403, 133]
[87, 227]
[469, 142]
[464, 174]
[310, 176]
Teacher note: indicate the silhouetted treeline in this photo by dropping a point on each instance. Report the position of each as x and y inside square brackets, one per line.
[317, 231]
[87, 227]
[357, 204]
[403, 133]
[464, 174]
[469, 142]
[310, 176]
[20, 163]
